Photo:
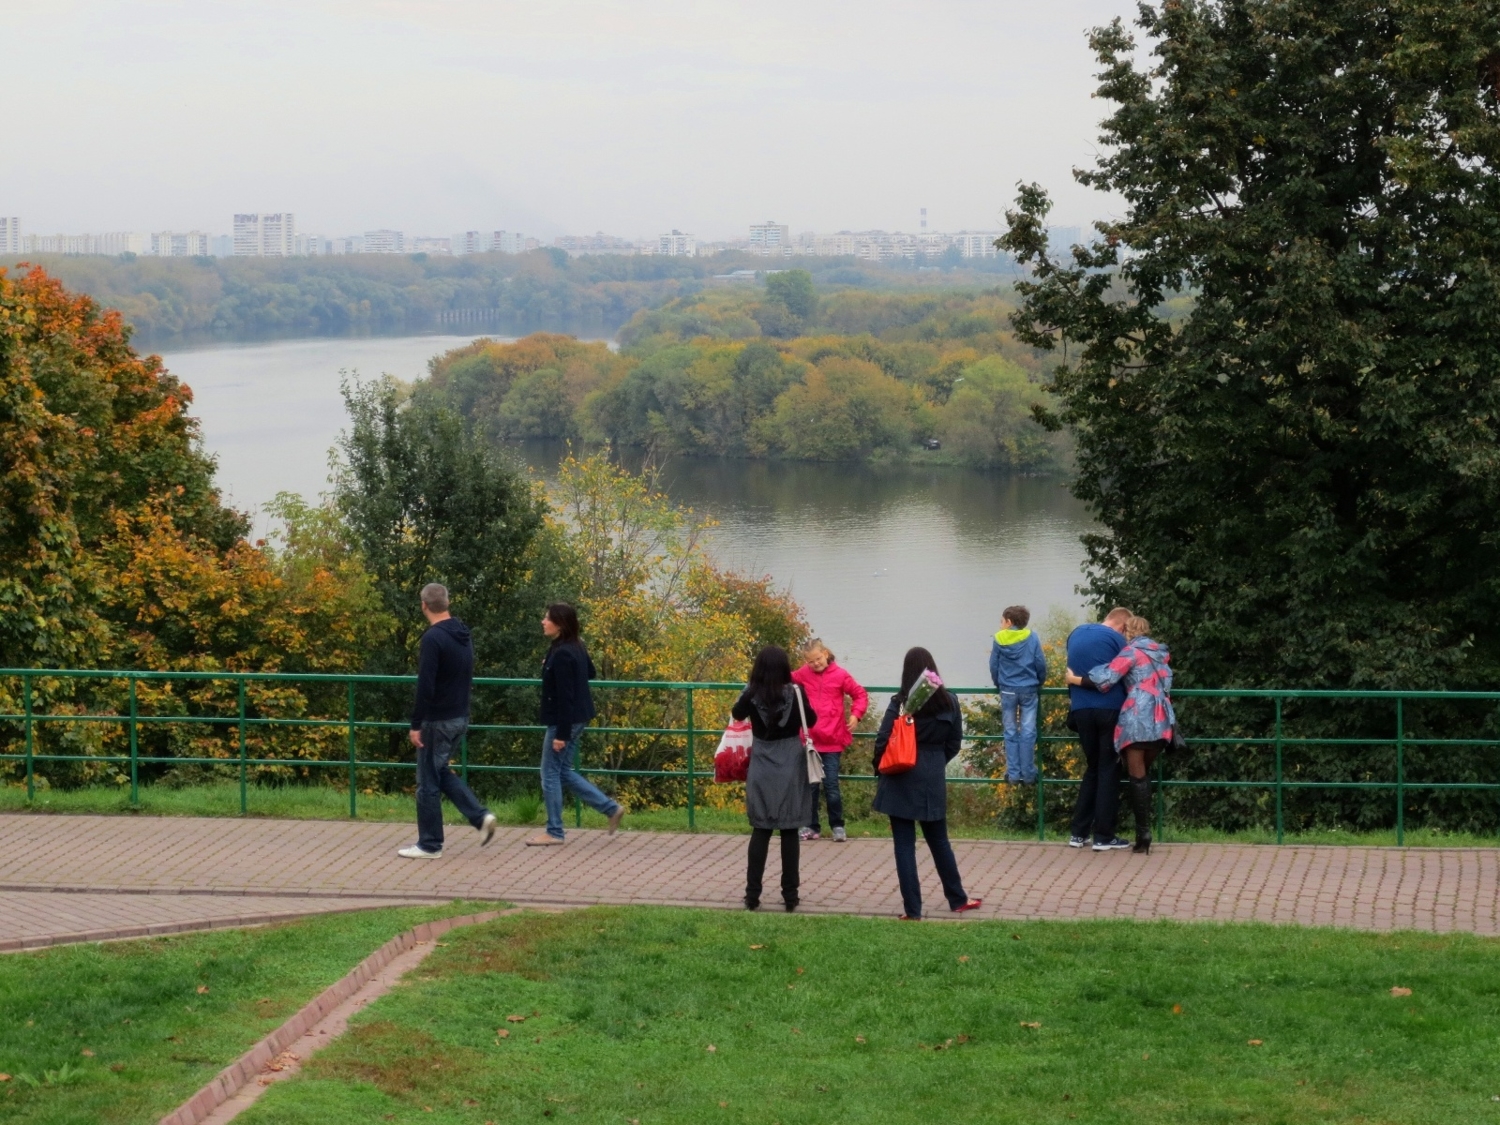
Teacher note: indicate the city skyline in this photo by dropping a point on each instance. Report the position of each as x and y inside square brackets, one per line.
[552, 119]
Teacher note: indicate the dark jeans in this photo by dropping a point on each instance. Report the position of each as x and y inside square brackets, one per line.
[830, 791]
[1098, 806]
[434, 779]
[935, 832]
[760, 845]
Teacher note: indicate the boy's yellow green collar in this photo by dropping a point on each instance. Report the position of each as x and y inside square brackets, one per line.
[1011, 636]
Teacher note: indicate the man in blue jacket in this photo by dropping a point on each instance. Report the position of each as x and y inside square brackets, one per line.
[439, 721]
[1018, 668]
[1094, 714]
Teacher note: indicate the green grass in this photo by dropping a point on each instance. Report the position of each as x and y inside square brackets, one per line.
[329, 803]
[120, 1031]
[832, 1019]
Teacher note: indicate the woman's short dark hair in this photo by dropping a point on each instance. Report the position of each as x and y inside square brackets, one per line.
[565, 617]
[769, 676]
[919, 660]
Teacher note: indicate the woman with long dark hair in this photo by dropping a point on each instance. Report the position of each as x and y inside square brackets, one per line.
[567, 707]
[778, 796]
[920, 795]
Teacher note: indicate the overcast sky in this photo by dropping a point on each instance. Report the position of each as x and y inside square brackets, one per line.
[548, 116]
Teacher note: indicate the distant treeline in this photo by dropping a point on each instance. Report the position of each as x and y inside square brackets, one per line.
[778, 371]
[168, 301]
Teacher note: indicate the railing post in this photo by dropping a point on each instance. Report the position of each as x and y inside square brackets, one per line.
[1280, 820]
[353, 757]
[1041, 803]
[1400, 773]
[463, 756]
[692, 787]
[30, 738]
[135, 750]
[244, 804]
[1161, 798]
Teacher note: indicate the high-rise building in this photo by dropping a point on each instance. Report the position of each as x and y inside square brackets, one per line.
[770, 239]
[173, 244]
[311, 245]
[426, 244]
[384, 242]
[221, 245]
[265, 235]
[10, 235]
[115, 242]
[676, 245]
[468, 242]
[508, 242]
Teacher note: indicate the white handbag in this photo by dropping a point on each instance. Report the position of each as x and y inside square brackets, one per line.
[814, 759]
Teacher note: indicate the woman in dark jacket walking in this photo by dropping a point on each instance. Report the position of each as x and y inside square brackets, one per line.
[567, 707]
[778, 796]
[920, 795]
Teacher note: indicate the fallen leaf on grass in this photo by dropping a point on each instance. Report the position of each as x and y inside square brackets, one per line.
[757, 947]
[1145, 1054]
[963, 1038]
[723, 1105]
[87, 1053]
[1177, 1009]
[503, 1033]
[1399, 991]
[4, 1078]
[515, 1019]
[117, 1067]
[1015, 937]
[1254, 1042]
[1033, 1026]
[800, 970]
[963, 959]
[203, 990]
[859, 1038]
[711, 1049]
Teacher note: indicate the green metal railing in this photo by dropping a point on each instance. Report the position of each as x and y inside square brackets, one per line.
[696, 762]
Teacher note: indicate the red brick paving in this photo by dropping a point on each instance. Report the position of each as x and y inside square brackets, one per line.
[198, 864]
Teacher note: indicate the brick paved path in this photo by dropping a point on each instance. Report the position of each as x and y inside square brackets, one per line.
[173, 870]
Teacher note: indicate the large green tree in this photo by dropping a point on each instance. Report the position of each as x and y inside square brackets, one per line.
[1298, 472]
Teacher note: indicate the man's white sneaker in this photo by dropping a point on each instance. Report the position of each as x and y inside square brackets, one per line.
[487, 829]
[839, 836]
[415, 852]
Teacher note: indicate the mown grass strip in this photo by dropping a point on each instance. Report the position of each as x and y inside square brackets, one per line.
[672, 1016]
[125, 1031]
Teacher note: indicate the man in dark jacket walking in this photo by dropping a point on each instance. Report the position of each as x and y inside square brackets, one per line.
[439, 720]
[1094, 714]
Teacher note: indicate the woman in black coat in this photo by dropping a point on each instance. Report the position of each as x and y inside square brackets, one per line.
[920, 795]
[567, 707]
[778, 796]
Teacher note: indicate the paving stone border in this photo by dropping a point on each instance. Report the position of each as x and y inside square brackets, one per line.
[248, 1066]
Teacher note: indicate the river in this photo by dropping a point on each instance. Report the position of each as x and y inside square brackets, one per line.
[880, 557]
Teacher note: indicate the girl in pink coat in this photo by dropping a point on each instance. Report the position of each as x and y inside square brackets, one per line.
[827, 685]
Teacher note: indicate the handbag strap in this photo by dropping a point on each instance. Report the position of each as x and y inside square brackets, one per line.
[801, 714]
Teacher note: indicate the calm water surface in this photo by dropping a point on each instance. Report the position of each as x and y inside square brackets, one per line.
[882, 558]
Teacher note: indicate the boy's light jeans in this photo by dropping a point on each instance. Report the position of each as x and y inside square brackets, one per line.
[1018, 711]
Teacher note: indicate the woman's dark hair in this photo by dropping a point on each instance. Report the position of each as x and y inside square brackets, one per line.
[769, 676]
[565, 617]
[919, 660]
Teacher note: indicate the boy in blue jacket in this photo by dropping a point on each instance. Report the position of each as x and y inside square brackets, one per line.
[1018, 668]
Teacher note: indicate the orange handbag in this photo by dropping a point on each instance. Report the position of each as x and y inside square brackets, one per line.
[901, 751]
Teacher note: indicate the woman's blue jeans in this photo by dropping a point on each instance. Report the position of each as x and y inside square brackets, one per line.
[558, 771]
[904, 836]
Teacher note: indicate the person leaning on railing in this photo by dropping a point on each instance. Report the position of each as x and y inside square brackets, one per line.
[567, 707]
[778, 796]
[1146, 719]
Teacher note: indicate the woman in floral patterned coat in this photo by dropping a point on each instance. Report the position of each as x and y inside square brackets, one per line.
[1146, 720]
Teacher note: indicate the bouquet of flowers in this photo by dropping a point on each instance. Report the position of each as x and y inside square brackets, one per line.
[921, 691]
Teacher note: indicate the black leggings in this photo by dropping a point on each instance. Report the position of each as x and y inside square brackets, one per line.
[760, 845]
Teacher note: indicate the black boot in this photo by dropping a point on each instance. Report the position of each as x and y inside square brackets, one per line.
[1140, 799]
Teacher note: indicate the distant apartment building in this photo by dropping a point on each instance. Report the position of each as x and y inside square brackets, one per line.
[10, 235]
[977, 244]
[596, 243]
[426, 244]
[508, 242]
[350, 244]
[265, 235]
[676, 245]
[770, 239]
[311, 245]
[468, 242]
[174, 244]
[384, 242]
[112, 243]
[221, 246]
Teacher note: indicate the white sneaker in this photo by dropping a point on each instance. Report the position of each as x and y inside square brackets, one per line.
[487, 829]
[839, 836]
[415, 852]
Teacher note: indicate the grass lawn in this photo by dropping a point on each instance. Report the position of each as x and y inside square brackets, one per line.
[654, 1015]
[126, 1031]
[329, 803]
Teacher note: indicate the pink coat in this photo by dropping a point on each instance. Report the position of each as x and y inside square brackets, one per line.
[826, 691]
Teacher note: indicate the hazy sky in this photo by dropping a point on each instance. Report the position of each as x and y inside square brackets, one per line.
[550, 116]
